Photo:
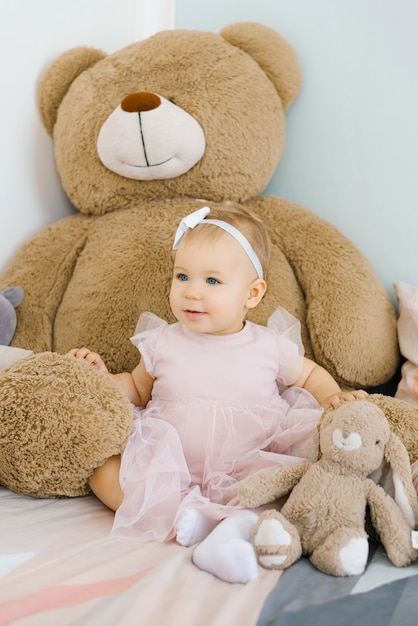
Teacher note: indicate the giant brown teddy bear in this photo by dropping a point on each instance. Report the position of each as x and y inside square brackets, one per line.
[143, 137]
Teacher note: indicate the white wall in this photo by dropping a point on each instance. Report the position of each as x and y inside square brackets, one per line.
[32, 34]
[352, 136]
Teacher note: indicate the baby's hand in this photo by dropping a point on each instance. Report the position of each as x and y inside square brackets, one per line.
[92, 358]
[346, 396]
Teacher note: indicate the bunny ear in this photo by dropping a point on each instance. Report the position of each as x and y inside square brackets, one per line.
[404, 494]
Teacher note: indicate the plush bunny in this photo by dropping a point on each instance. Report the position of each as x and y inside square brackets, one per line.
[324, 515]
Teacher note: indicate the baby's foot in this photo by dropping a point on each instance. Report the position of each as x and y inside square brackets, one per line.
[233, 561]
[227, 553]
[193, 526]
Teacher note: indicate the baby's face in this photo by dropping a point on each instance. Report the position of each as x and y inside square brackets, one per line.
[212, 283]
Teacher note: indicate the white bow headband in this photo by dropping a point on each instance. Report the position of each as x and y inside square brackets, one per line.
[198, 217]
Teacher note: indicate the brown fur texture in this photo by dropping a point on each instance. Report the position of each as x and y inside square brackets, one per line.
[88, 277]
[403, 420]
[324, 515]
[70, 421]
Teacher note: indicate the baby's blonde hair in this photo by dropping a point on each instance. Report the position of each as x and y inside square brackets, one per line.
[248, 223]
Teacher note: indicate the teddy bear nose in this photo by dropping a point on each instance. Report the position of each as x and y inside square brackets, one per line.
[140, 102]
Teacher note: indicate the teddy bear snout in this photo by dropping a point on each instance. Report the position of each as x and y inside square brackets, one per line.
[140, 102]
[147, 137]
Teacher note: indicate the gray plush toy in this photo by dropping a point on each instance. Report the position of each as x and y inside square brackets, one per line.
[9, 299]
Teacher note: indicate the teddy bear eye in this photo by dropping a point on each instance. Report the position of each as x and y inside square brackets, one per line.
[378, 442]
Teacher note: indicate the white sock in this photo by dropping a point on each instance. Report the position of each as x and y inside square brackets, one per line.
[193, 526]
[227, 552]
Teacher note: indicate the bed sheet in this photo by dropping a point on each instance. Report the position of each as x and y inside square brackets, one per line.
[59, 566]
[383, 596]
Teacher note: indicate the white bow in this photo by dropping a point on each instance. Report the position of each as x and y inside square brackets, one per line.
[190, 221]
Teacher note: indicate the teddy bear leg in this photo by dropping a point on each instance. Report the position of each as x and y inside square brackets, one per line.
[276, 541]
[343, 553]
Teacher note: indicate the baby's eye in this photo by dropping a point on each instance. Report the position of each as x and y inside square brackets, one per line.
[182, 277]
[212, 281]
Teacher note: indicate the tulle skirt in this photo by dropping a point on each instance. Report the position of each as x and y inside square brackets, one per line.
[194, 454]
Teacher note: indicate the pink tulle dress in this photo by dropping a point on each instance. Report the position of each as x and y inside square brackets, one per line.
[220, 411]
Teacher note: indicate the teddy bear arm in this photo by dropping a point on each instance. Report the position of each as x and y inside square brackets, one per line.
[43, 268]
[344, 296]
[267, 486]
[389, 521]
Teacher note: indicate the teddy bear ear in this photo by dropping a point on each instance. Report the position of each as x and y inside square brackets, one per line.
[58, 77]
[404, 491]
[272, 52]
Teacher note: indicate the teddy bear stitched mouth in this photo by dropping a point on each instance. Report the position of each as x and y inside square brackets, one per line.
[147, 164]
